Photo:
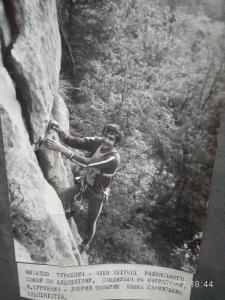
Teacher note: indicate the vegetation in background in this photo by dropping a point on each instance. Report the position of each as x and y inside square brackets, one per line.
[157, 69]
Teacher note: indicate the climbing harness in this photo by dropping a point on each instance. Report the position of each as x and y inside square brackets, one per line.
[82, 188]
[85, 181]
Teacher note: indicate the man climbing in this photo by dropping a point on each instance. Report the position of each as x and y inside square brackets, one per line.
[101, 167]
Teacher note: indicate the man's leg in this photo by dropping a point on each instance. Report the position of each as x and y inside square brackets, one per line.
[95, 202]
[67, 196]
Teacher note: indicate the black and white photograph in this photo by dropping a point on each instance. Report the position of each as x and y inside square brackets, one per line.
[110, 111]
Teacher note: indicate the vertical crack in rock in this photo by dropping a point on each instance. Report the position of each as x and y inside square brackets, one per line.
[10, 13]
[21, 85]
[29, 75]
[34, 61]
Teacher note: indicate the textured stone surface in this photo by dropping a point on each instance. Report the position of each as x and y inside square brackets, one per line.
[36, 211]
[60, 114]
[56, 169]
[36, 60]
[4, 25]
[39, 224]
[52, 165]
[36, 56]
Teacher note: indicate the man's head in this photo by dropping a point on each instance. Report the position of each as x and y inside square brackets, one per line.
[112, 135]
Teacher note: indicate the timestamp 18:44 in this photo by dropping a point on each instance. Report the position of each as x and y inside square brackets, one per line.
[202, 284]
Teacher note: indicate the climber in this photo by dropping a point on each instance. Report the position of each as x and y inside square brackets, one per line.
[101, 167]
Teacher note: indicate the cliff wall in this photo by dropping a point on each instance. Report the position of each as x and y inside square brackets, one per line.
[30, 61]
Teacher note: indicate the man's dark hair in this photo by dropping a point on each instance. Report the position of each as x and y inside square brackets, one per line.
[115, 130]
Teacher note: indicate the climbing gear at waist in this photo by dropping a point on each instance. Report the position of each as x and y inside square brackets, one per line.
[82, 188]
[84, 185]
[106, 193]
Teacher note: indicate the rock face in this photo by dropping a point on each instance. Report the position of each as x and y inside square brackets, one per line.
[28, 100]
[36, 56]
[56, 170]
[61, 115]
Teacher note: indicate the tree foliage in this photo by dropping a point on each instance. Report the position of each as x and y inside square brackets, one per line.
[156, 68]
